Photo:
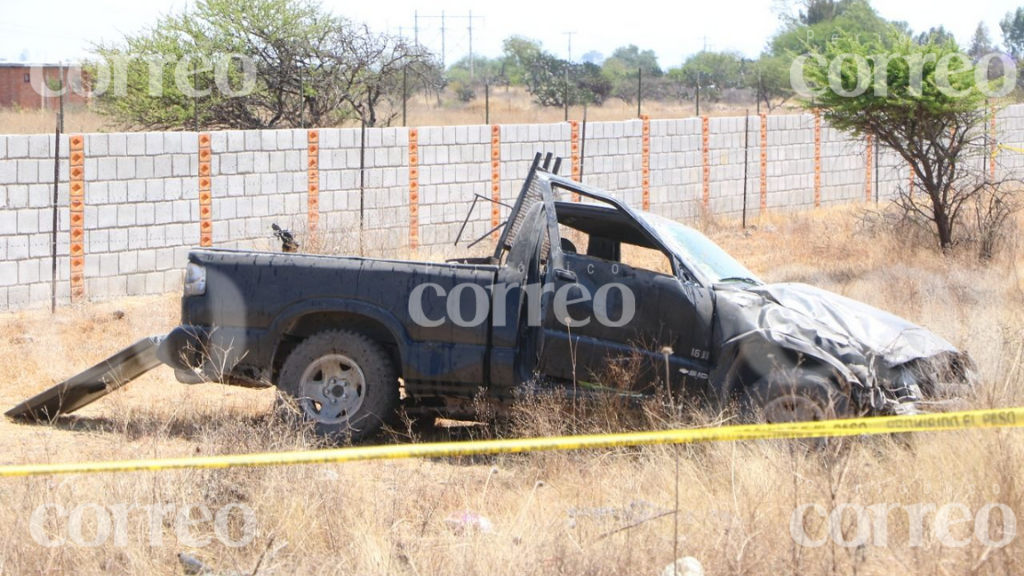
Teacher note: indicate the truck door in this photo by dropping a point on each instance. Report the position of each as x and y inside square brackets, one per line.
[621, 315]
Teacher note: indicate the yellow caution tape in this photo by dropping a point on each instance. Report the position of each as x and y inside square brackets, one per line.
[973, 419]
[1011, 148]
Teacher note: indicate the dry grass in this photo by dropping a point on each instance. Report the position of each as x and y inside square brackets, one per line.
[43, 121]
[513, 106]
[580, 513]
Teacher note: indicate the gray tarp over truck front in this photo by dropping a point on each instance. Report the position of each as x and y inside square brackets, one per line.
[856, 340]
[96, 382]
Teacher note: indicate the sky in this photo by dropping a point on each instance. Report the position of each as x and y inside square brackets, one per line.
[62, 30]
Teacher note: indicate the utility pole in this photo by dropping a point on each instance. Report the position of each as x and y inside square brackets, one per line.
[698, 93]
[566, 95]
[444, 39]
[569, 35]
[64, 90]
[639, 90]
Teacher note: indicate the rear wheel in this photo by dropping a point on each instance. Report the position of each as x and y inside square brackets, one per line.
[343, 382]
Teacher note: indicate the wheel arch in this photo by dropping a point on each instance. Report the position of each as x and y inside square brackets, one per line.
[748, 358]
[308, 318]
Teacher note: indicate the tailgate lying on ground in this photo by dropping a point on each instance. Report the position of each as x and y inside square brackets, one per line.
[96, 382]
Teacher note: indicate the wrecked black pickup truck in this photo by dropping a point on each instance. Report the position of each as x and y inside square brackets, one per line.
[579, 287]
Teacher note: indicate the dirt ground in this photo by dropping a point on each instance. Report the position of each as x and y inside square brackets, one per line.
[592, 512]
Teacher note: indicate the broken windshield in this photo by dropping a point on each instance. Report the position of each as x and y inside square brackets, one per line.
[700, 253]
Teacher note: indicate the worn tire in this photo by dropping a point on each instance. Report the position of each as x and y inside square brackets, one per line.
[794, 396]
[378, 390]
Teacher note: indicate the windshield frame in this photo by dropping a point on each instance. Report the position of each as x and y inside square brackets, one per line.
[657, 223]
[684, 268]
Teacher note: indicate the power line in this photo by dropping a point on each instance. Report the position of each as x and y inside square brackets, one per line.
[469, 17]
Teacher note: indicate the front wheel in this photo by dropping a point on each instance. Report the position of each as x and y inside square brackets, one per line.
[343, 382]
[796, 396]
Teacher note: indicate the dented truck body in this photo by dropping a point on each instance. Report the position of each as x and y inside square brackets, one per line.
[339, 334]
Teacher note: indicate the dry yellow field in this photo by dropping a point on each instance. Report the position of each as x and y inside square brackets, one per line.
[507, 107]
[599, 512]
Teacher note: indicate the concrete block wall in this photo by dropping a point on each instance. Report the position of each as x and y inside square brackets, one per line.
[143, 208]
[791, 162]
[454, 166]
[26, 221]
[519, 144]
[676, 164]
[339, 189]
[613, 159]
[725, 157]
[258, 178]
[141, 211]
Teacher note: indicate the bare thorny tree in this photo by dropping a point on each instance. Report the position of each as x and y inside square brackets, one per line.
[949, 157]
[371, 69]
[345, 71]
[301, 66]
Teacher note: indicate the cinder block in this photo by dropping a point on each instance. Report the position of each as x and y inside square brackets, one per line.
[329, 138]
[228, 164]
[17, 146]
[155, 143]
[173, 279]
[125, 168]
[137, 191]
[144, 167]
[172, 189]
[253, 140]
[8, 171]
[28, 272]
[18, 297]
[171, 143]
[181, 210]
[136, 285]
[236, 141]
[261, 161]
[28, 171]
[145, 213]
[268, 139]
[8, 273]
[218, 142]
[28, 221]
[17, 246]
[125, 215]
[95, 145]
[40, 195]
[348, 138]
[136, 145]
[154, 190]
[181, 165]
[146, 260]
[245, 162]
[118, 240]
[39, 146]
[277, 158]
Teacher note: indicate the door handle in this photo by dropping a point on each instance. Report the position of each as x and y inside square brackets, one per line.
[567, 275]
